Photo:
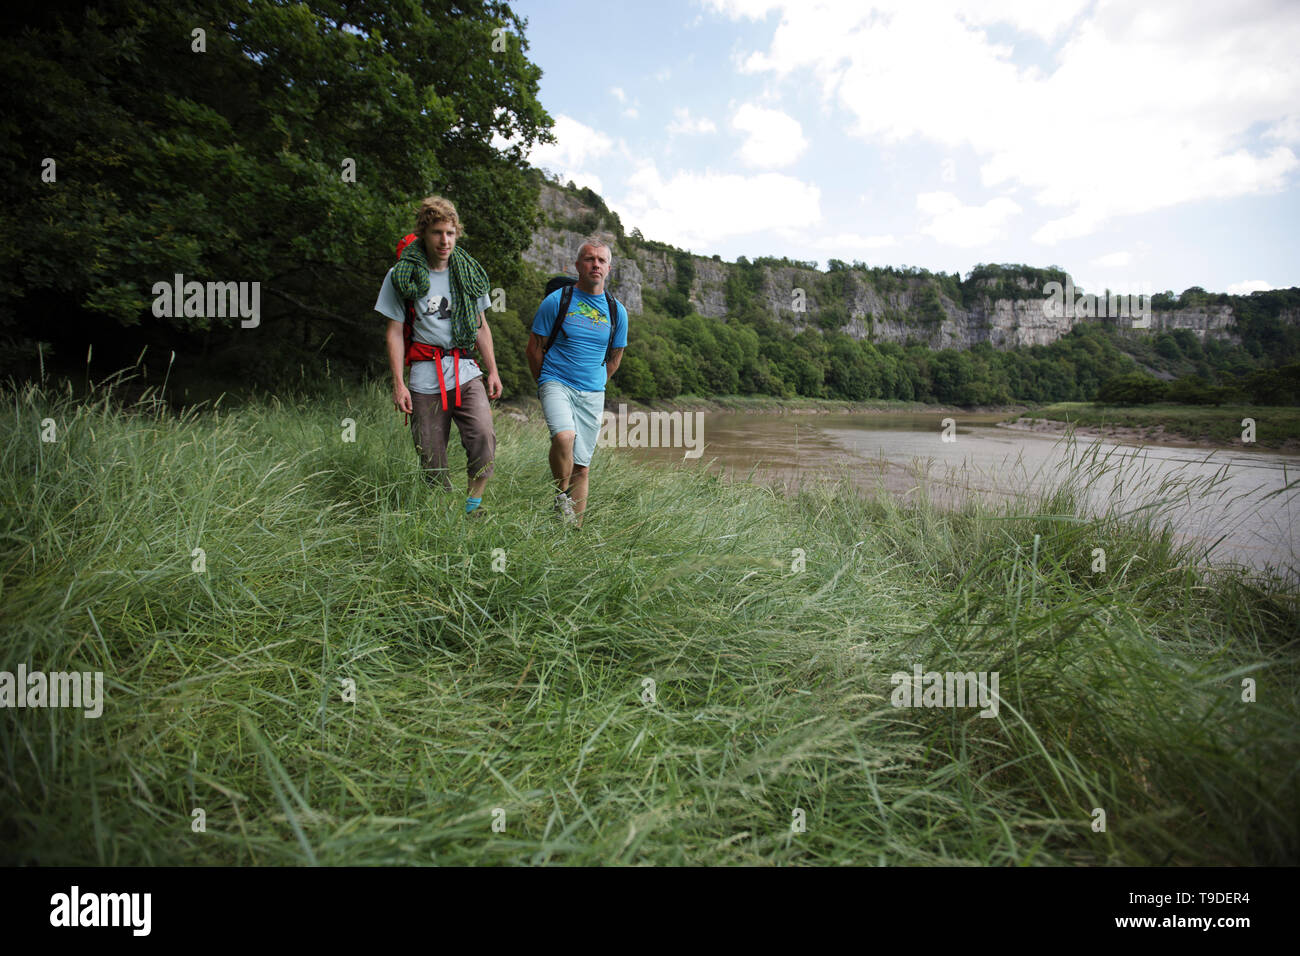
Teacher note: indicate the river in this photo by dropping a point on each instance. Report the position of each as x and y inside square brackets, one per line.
[1237, 506]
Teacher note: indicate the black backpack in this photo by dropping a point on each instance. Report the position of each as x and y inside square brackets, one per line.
[566, 283]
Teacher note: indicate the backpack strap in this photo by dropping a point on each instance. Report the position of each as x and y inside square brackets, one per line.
[566, 297]
[612, 304]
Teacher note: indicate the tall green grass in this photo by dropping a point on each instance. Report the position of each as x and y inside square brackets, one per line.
[524, 690]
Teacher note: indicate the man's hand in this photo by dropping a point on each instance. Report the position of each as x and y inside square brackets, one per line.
[493, 385]
[402, 398]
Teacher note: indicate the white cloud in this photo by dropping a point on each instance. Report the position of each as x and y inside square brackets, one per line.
[1146, 105]
[1044, 19]
[774, 139]
[1287, 129]
[631, 111]
[575, 146]
[683, 123]
[956, 224]
[1249, 286]
[851, 239]
[847, 246]
[580, 179]
[1113, 260]
[1115, 285]
[948, 171]
[694, 210]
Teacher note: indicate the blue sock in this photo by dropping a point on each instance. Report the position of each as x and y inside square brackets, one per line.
[472, 503]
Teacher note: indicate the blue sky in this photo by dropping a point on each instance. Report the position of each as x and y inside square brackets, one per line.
[1141, 146]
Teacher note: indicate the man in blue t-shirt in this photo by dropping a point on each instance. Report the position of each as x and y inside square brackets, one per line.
[572, 374]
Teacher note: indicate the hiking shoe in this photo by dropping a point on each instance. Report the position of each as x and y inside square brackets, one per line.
[564, 508]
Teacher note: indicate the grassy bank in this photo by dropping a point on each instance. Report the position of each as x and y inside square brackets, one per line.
[1275, 426]
[515, 684]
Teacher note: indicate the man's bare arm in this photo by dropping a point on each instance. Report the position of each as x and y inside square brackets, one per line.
[611, 366]
[535, 353]
[396, 343]
[484, 343]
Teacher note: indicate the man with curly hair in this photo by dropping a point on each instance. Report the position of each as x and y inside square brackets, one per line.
[435, 299]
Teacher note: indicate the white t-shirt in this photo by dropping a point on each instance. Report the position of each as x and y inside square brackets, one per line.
[433, 327]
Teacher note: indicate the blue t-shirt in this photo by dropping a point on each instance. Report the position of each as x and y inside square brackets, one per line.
[580, 347]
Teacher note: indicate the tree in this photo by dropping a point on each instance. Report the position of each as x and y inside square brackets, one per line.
[291, 151]
[1279, 386]
[850, 375]
[1166, 346]
[1188, 343]
[1131, 388]
[634, 380]
[1190, 390]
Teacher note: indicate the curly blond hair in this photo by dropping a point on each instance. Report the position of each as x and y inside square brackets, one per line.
[435, 209]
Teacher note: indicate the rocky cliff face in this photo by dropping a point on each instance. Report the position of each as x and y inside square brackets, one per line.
[906, 308]
[554, 251]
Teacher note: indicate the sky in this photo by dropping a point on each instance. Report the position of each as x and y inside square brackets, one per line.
[1142, 146]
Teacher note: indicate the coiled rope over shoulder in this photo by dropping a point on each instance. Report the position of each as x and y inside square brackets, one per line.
[469, 283]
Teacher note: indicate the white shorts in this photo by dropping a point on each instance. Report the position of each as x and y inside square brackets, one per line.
[569, 410]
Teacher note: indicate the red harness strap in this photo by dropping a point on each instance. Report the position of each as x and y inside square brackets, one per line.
[423, 352]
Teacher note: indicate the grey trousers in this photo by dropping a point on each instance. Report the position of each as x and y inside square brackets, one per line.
[431, 427]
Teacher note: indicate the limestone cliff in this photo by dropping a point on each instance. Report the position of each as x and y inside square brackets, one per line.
[897, 306]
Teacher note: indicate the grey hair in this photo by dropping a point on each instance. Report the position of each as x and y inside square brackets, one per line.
[596, 242]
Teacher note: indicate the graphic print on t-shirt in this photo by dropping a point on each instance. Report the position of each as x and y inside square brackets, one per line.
[591, 313]
[444, 308]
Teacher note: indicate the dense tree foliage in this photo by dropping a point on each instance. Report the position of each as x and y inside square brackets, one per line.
[1131, 388]
[286, 143]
